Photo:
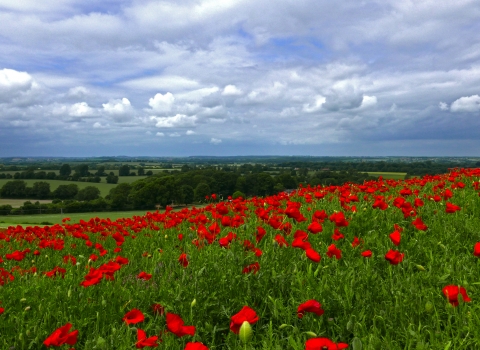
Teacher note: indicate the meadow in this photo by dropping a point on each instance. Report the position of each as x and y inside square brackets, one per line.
[389, 264]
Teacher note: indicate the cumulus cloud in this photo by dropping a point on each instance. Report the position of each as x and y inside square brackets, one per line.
[443, 106]
[162, 103]
[177, 121]
[231, 90]
[79, 92]
[120, 110]
[161, 134]
[190, 132]
[315, 106]
[215, 141]
[81, 109]
[466, 104]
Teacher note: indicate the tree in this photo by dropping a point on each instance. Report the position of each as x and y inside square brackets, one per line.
[82, 170]
[65, 170]
[119, 196]
[188, 194]
[100, 171]
[41, 190]
[141, 171]
[88, 193]
[65, 191]
[111, 179]
[201, 191]
[124, 170]
[238, 194]
[14, 189]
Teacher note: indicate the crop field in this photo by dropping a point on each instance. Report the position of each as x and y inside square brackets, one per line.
[389, 264]
[388, 175]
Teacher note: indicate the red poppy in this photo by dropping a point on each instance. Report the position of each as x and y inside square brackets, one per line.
[451, 292]
[252, 268]
[312, 255]
[418, 223]
[476, 249]
[333, 251]
[315, 227]
[338, 219]
[394, 257]
[356, 242]
[134, 316]
[2, 310]
[324, 344]
[62, 336]
[176, 325]
[158, 309]
[367, 253]
[183, 260]
[260, 233]
[144, 276]
[310, 306]
[143, 341]
[281, 241]
[195, 346]
[337, 235]
[451, 208]
[395, 237]
[245, 314]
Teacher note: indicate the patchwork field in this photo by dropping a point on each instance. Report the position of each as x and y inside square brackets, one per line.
[388, 264]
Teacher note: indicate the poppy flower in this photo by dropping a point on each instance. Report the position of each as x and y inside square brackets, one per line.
[395, 237]
[337, 235]
[158, 309]
[312, 255]
[252, 268]
[356, 242]
[143, 341]
[183, 260]
[62, 336]
[195, 346]
[451, 208]
[476, 249]
[2, 310]
[260, 233]
[338, 219]
[333, 251]
[310, 306]
[324, 344]
[451, 292]
[367, 253]
[394, 257]
[315, 227]
[176, 325]
[133, 316]
[418, 223]
[245, 314]
[281, 241]
[144, 276]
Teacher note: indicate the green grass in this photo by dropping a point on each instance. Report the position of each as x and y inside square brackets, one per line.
[366, 301]
[388, 175]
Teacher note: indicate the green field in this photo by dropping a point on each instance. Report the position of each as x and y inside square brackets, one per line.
[28, 220]
[388, 175]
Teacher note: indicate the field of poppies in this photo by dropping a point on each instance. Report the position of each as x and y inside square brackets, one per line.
[389, 264]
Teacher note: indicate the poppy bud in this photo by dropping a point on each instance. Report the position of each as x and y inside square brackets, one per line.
[420, 267]
[23, 300]
[194, 302]
[428, 306]
[27, 308]
[245, 333]
[310, 334]
[283, 326]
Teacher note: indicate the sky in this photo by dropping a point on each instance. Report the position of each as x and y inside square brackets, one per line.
[239, 77]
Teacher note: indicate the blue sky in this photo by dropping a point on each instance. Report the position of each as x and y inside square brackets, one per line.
[239, 77]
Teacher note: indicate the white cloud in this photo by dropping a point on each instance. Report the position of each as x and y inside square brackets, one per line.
[197, 95]
[78, 92]
[231, 90]
[190, 132]
[174, 134]
[162, 103]
[12, 79]
[161, 134]
[120, 110]
[98, 125]
[316, 106]
[81, 109]
[368, 101]
[179, 120]
[443, 106]
[215, 141]
[466, 104]
[172, 83]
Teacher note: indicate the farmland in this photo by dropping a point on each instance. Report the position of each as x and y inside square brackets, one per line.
[387, 264]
